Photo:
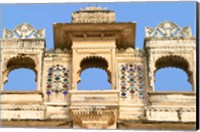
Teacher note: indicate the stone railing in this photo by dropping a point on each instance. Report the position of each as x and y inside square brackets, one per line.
[94, 98]
[171, 107]
[21, 105]
[21, 97]
[172, 98]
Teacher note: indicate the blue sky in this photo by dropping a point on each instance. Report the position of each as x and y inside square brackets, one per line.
[143, 13]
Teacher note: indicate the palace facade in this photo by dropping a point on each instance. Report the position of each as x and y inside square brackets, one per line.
[95, 39]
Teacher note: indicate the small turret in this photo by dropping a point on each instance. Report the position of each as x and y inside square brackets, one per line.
[93, 15]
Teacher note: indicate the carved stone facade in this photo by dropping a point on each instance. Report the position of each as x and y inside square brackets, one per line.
[103, 43]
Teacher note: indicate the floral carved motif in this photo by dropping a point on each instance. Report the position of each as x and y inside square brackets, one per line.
[24, 31]
[168, 29]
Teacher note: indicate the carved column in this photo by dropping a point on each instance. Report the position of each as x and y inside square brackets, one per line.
[75, 66]
[151, 64]
[194, 71]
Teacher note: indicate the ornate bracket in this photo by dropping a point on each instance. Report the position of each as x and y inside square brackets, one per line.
[94, 116]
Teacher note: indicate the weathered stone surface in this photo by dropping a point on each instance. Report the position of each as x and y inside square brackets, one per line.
[95, 40]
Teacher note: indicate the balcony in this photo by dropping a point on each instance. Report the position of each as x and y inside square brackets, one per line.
[171, 107]
[94, 109]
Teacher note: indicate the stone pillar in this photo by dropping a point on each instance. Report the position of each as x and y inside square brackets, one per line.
[1, 65]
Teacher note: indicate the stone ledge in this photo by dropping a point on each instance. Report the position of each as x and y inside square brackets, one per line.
[120, 125]
[155, 125]
[37, 123]
[171, 92]
[20, 92]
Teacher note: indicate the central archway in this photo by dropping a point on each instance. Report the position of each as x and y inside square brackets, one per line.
[94, 69]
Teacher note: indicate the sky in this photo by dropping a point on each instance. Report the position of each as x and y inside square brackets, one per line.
[143, 13]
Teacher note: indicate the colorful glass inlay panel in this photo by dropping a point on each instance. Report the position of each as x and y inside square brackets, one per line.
[132, 80]
[57, 80]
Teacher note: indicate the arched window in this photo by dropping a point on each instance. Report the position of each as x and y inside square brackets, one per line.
[94, 74]
[94, 79]
[172, 79]
[20, 74]
[21, 79]
[172, 74]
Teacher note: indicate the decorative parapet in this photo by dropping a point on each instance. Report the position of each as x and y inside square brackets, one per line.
[58, 51]
[168, 29]
[58, 54]
[22, 111]
[130, 52]
[93, 15]
[24, 31]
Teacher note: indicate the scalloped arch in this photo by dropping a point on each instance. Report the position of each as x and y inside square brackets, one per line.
[20, 62]
[176, 61]
[94, 62]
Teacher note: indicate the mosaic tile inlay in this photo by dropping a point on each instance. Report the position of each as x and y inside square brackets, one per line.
[132, 80]
[57, 80]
